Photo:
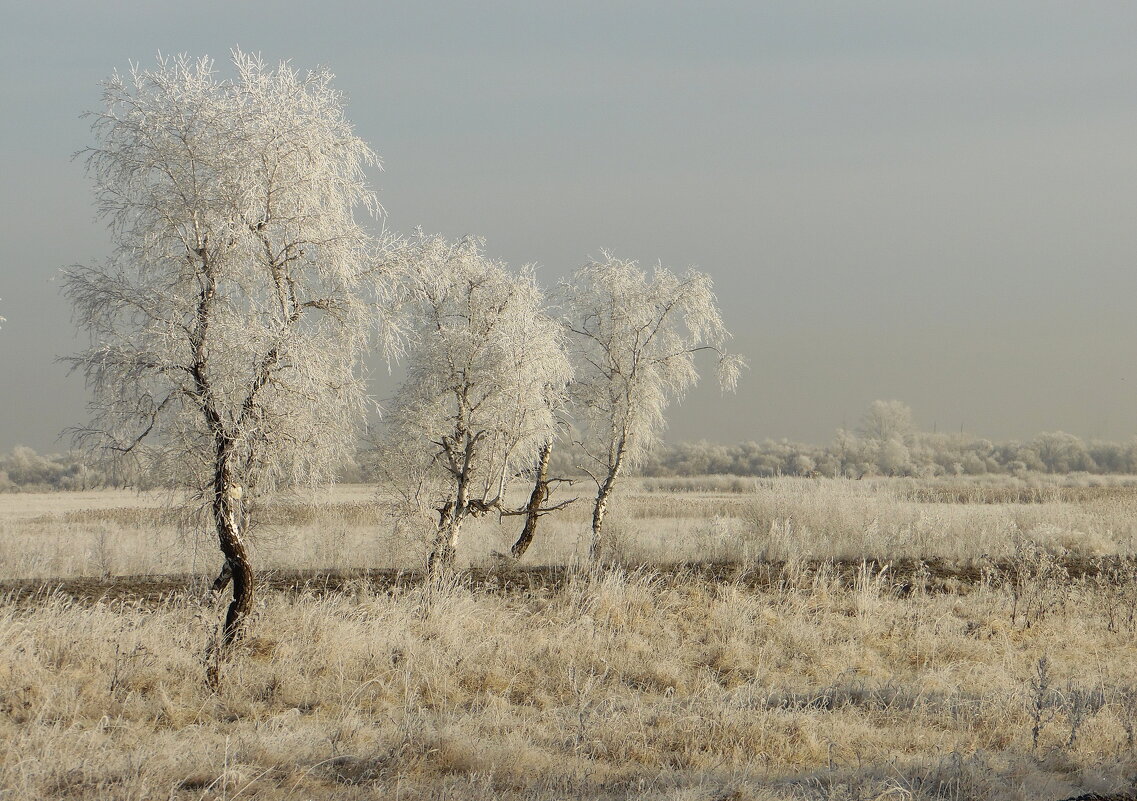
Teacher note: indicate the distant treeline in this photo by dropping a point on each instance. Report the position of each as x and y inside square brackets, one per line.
[886, 443]
[918, 454]
[24, 470]
[849, 455]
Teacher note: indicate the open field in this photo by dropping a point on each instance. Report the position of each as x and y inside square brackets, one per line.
[836, 640]
[117, 533]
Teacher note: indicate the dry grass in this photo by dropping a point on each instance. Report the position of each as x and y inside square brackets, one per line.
[120, 533]
[620, 684]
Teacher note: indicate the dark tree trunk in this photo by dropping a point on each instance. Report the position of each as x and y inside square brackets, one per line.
[227, 517]
[223, 579]
[225, 575]
[536, 500]
[440, 562]
[599, 509]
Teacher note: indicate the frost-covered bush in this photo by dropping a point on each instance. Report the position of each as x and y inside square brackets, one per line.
[24, 470]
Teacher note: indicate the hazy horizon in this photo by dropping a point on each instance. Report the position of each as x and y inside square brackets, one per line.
[933, 203]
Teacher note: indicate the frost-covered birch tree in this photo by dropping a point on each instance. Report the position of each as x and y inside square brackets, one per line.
[633, 337]
[486, 378]
[227, 325]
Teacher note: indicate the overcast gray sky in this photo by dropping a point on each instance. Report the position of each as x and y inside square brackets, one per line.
[933, 201]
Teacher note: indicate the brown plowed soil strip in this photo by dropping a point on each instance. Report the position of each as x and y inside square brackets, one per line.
[901, 577]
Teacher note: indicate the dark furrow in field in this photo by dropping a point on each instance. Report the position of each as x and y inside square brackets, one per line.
[901, 577]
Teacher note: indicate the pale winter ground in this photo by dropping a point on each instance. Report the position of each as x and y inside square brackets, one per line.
[114, 532]
[624, 684]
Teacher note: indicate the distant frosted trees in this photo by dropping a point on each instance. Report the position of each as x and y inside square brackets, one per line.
[1060, 452]
[24, 469]
[886, 420]
[226, 326]
[486, 379]
[633, 337]
[915, 453]
[886, 427]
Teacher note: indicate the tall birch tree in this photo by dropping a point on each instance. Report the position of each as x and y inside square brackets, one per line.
[227, 325]
[486, 379]
[633, 337]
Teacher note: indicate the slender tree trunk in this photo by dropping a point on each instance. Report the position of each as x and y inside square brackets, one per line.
[599, 509]
[443, 549]
[225, 575]
[533, 509]
[227, 517]
[603, 492]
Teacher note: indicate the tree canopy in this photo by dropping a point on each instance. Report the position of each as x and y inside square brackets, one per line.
[486, 377]
[633, 337]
